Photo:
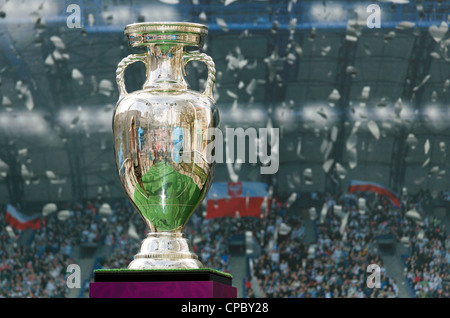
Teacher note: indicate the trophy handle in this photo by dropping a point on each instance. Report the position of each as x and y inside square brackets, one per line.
[130, 59]
[202, 57]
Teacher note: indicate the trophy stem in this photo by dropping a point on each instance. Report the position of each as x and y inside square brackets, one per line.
[166, 250]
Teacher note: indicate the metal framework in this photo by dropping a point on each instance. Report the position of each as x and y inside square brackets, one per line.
[343, 82]
[418, 68]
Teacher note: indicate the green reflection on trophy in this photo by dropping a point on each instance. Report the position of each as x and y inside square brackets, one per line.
[161, 133]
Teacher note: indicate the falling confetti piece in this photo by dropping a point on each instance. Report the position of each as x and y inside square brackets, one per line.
[49, 208]
[222, 24]
[299, 147]
[373, 128]
[438, 33]
[291, 199]
[292, 25]
[235, 105]
[231, 94]
[298, 49]
[411, 140]
[426, 78]
[435, 55]
[325, 50]
[382, 102]
[58, 43]
[63, 215]
[307, 174]
[446, 85]
[170, 1]
[290, 58]
[49, 61]
[323, 145]
[334, 133]
[434, 170]
[334, 97]
[202, 17]
[389, 36]
[341, 171]
[77, 76]
[251, 86]
[426, 146]
[351, 70]
[365, 93]
[327, 165]
[398, 107]
[228, 2]
[404, 25]
[105, 87]
[352, 158]
[351, 141]
[434, 96]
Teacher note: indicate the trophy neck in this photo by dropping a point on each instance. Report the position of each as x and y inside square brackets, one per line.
[164, 67]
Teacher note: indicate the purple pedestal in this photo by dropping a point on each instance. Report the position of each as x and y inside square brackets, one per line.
[196, 289]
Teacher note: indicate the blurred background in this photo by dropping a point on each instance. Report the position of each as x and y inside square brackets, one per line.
[363, 115]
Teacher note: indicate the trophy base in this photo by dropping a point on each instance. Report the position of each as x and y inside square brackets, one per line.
[165, 250]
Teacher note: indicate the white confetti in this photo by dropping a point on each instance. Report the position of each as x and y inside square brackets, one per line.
[307, 174]
[426, 78]
[352, 158]
[231, 94]
[77, 76]
[404, 25]
[334, 97]
[58, 43]
[365, 93]
[398, 107]
[228, 2]
[105, 87]
[438, 32]
[63, 215]
[251, 86]
[49, 208]
[411, 140]
[341, 171]
[222, 24]
[426, 146]
[373, 128]
[327, 165]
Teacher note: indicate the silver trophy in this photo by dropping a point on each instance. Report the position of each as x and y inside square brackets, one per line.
[161, 137]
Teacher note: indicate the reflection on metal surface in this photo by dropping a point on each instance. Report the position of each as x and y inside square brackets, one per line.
[160, 138]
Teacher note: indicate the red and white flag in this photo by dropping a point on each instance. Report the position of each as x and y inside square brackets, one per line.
[228, 199]
[21, 221]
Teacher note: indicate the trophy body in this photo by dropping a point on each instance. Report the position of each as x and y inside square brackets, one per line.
[161, 138]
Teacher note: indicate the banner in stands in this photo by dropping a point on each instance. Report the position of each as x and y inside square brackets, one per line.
[365, 186]
[20, 221]
[230, 199]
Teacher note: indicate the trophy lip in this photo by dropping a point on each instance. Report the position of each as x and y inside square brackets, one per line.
[147, 33]
[166, 26]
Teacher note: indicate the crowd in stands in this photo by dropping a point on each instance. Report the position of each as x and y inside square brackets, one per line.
[335, 265]
[37, 269]
[332, 265]
[428, 266]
